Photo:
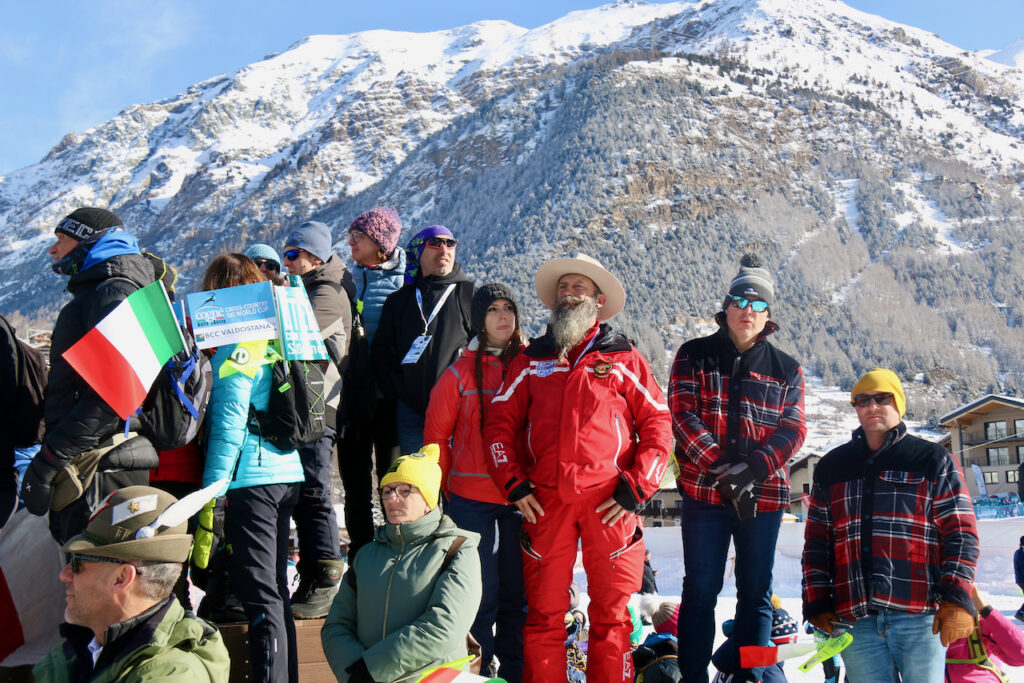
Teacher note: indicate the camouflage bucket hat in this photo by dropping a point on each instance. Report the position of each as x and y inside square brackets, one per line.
[126, 527]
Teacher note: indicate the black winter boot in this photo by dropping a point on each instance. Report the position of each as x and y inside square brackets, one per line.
[314, 596]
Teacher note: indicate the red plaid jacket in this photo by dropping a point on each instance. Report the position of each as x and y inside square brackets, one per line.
[735, 407]
[894, 530]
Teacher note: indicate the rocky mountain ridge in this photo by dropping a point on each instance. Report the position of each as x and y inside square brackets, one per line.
[878, 168]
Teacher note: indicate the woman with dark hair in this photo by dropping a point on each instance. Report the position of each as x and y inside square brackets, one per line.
[263, 489]
[454, 421]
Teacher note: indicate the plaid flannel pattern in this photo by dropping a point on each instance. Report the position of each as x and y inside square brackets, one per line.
[918, 529]
[772, 426]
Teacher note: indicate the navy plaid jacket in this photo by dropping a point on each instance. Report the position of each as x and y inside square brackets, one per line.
[732, 407]
[894, 530]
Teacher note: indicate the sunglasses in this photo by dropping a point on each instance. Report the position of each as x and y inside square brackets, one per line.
[76, 560]
[742, 302]
[402, 491]
[292, 254]
[267, 263]
[864, 400]
[438, 242]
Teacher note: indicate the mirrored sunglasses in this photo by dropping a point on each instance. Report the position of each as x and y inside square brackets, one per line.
[292, 254]
[742, 302]
[864, 400]
[438, 242]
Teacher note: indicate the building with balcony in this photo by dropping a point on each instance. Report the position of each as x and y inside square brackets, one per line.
[988, 433]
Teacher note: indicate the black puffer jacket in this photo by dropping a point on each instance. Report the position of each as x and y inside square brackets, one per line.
[77, 419]
[401, 323]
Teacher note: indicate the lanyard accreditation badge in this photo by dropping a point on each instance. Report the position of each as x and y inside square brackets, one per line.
[419, 344]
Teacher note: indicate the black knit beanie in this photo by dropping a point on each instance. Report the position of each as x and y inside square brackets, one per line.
[483, 298]
[87, 222]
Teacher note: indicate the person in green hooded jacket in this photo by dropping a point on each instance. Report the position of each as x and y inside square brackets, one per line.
[406, 604]
[123, 622]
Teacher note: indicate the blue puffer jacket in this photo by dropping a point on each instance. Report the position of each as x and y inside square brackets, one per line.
[373, 285]
[232, 451]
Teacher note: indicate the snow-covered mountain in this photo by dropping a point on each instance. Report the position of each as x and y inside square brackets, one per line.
[879, 168]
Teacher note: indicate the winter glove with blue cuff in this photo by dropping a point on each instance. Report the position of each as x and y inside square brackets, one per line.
[37, 482]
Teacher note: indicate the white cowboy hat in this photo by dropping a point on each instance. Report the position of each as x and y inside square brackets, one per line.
[548, 275]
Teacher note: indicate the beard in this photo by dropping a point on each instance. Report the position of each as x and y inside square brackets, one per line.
[570, 321]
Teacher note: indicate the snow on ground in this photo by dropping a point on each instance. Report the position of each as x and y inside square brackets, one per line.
[994, 578]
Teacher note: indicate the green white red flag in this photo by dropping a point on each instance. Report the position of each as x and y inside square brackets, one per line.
[124, 353]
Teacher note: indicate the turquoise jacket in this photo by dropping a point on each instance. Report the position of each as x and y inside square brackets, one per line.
[373, 285]
[403, 614]
[241, 377]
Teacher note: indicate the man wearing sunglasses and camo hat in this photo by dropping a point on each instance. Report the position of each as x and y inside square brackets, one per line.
[122, 621]
[737, 407]
[891, 544]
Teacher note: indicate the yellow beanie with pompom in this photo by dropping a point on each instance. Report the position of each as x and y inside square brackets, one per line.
[420, 469]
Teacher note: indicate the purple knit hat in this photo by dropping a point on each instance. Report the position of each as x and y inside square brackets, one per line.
[414, 249]
[382, 225]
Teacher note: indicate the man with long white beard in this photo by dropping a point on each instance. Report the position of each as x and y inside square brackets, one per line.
[579, 437]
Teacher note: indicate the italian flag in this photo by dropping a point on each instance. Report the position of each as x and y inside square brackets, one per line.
[123, 354]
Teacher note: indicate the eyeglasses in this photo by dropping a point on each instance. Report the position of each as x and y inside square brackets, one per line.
[864, 400]
[292, 254]
[402, 491]
[267, 263]
[76, 560]
[742, 302]
[355, 236]
[438, 242]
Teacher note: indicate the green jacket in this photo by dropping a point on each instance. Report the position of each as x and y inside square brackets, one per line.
[161, 644]
[401, 614]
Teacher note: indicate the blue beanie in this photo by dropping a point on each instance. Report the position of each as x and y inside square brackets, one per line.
[314, 237]
[263, 251]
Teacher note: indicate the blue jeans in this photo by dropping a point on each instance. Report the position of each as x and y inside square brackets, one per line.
[707, 530]
[893, 646]
[410, 428]
[503, 602]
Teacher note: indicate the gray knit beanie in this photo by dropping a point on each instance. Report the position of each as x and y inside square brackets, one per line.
[483, 298]
[753, 280]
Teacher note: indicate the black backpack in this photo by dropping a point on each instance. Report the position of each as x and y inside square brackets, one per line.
[172, 414]
[297, 412]
[23, 422]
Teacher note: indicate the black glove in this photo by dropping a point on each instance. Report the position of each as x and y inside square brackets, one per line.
[735, 483]
[35, 485]
[358, 673]
[732, 480]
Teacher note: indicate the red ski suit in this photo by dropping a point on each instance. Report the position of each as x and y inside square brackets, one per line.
[596, 425]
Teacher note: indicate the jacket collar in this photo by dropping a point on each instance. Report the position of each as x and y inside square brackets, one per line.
[894, 436]
[770, 327]
[608, 340]
[413, 532]
[120, 638]
[434, 281]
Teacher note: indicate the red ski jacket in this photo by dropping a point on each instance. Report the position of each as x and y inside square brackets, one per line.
[453, 423]
[587, 421]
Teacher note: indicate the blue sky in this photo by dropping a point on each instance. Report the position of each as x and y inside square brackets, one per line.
[67, 66]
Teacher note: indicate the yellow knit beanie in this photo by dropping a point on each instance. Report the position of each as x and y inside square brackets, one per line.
[420, 469]
[882, 381]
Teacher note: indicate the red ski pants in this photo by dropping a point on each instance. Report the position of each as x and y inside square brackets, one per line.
[613, 557]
